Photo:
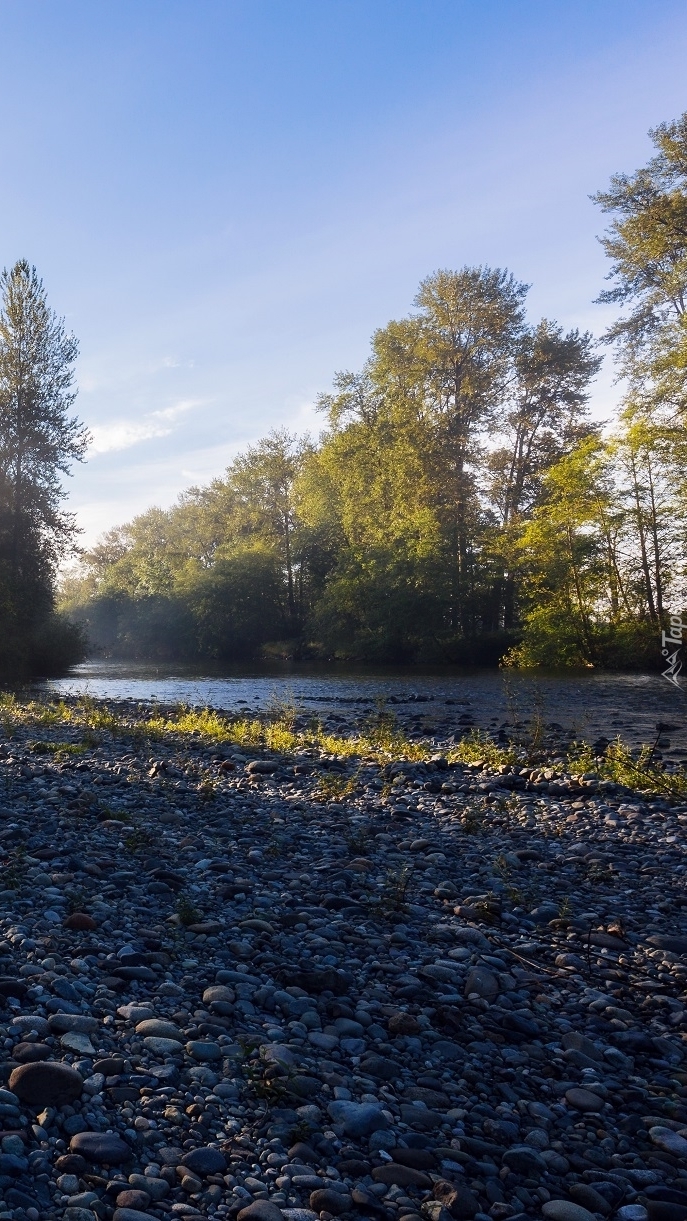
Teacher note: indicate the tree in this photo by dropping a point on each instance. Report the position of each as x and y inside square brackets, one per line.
[565, 562]
[647, 242]
[545, 415]
[38, 441]
[544, 418]
[263, 483]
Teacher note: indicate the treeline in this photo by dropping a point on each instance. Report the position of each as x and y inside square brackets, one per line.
[460, 504]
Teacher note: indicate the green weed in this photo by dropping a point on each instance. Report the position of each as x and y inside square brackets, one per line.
[478, 747]
[137, 839]
[640, 772]
[187, 912]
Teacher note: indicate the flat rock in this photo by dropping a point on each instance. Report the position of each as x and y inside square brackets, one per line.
[584, 1100]
[61, 1023]
[667, 941]
[28, 1053]
[103, 1147]
[78, 1041]
[159, 1029]
[163, 1047]
[203, 1051]
[402, 1176]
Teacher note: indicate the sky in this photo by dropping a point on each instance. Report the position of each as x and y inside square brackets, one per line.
[225, 198]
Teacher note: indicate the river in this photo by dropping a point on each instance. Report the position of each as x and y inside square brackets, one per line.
[590, 704]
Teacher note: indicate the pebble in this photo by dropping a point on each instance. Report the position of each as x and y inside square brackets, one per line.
[447, 993]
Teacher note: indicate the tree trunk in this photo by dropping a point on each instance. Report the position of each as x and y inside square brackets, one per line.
[642, 545]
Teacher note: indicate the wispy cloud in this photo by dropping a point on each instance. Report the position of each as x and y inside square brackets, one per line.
[123, 434]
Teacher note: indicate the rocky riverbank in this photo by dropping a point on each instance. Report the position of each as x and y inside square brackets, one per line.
[239, 983]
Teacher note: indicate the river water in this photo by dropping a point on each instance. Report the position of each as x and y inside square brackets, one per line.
[590, 704]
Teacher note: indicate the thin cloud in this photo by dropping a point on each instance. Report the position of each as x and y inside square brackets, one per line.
[123, 434]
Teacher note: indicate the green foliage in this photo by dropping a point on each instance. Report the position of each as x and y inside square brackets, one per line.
[638, 770]
[478, 747]
[187, 912]
[647, 243]
[379, 543]
[57, 748]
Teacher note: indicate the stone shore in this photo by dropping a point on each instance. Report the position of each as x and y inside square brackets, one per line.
[239, 984]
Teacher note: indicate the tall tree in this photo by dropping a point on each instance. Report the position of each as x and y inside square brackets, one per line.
[647, 243]
[545, 413]
[545, 417]
[38, 441]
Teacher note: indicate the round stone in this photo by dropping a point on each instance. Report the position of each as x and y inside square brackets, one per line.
[158, 1029]
[400, 1176]
[522, 1159]
[260, 1210]
[204, 1051]
[218, 994]
[632, 1212]
[71, 1163]
[162, 1047]
[668, 1140]
[565, 1210]
[131, 1214]
[101, 1147]
[483, 982]
[32, 1022]
[584, 1100]
[205, 1161]
[325, 1199]
[28, 1053]
[357, 1118]
[46, 1084]
[132, 1199]
[80, 922]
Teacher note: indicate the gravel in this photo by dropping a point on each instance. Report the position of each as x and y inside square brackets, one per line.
[423, 991]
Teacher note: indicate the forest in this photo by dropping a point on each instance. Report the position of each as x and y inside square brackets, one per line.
[460, 504]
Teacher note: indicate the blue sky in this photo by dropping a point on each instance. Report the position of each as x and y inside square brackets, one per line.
[225, 199]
